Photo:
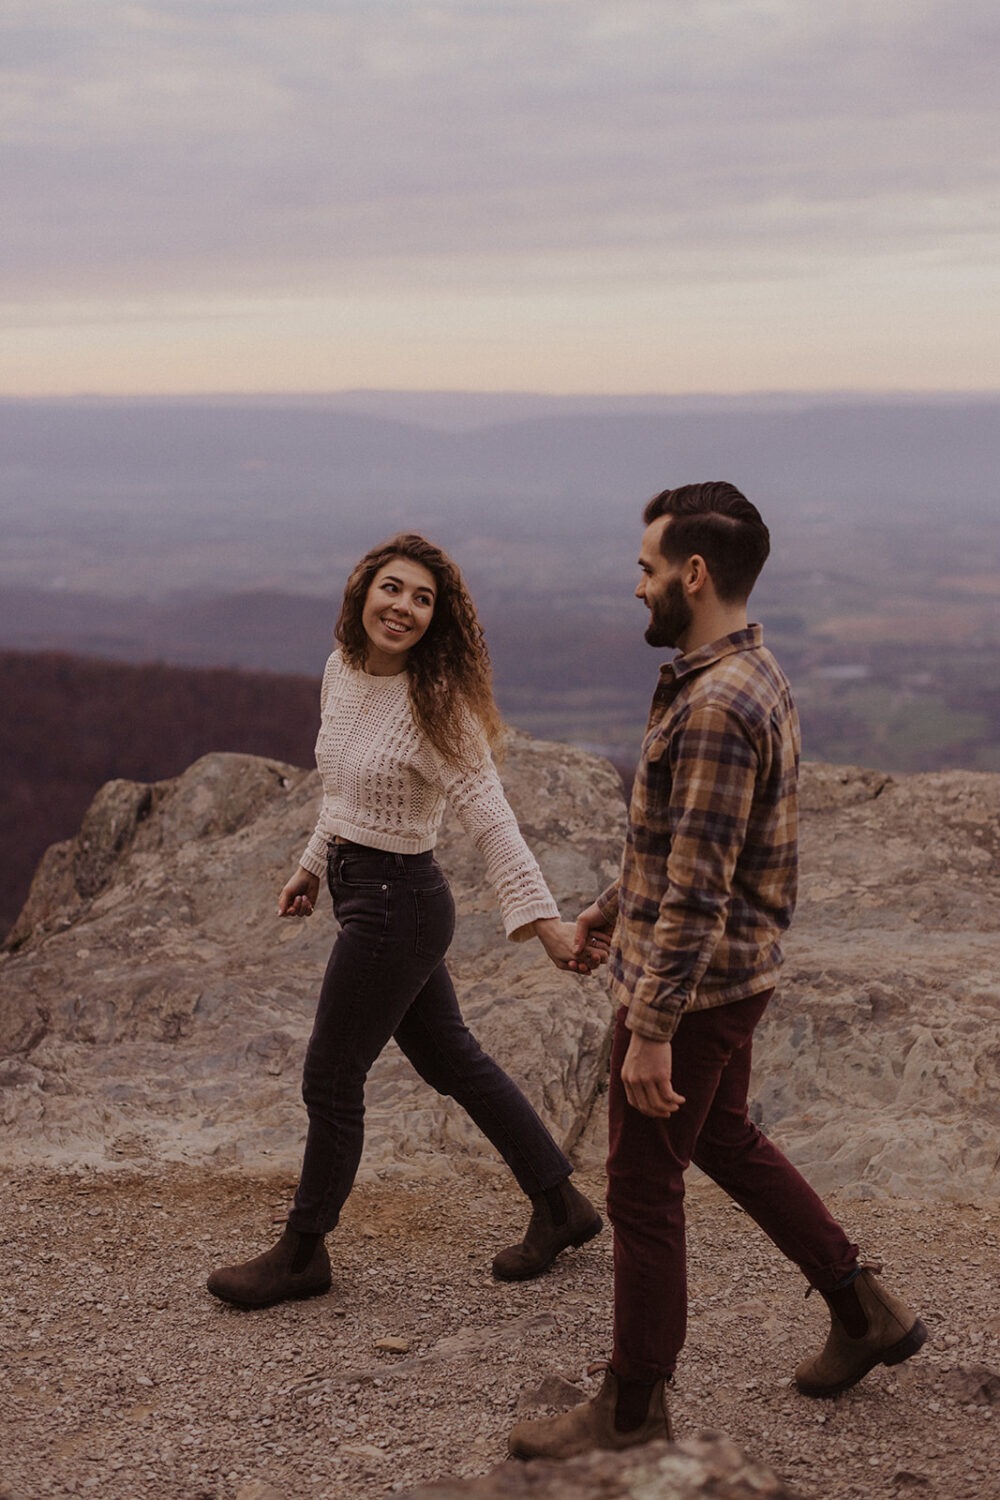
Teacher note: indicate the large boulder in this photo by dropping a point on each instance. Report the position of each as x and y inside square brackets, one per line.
[152, 1005]
[878, 1064]
[707, 1467]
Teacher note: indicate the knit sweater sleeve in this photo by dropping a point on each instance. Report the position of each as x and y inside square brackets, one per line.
[477, 796]
[313, 857]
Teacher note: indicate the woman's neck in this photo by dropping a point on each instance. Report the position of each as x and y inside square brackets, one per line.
[377, 665]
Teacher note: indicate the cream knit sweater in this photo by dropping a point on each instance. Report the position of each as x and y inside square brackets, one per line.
[384, 785]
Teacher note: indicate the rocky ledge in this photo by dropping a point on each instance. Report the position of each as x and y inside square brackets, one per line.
[153, 1008]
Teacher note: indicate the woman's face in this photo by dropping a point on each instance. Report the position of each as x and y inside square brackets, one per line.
[397, 610]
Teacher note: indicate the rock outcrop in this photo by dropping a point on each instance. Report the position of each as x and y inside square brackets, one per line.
[153, 1007]
[878, 1067]
[708, 1467]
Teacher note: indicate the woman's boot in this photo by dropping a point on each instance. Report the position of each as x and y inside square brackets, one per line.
[297, 1266]
[560, 1217]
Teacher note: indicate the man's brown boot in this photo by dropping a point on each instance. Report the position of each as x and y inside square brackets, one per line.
[560, 1217]
[297, 1266]
[594, 1424]
[868, 1327]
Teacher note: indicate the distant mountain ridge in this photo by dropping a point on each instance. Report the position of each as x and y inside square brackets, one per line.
[130, 456]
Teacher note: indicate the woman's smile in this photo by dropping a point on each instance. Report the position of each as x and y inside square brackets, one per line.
[397, 610]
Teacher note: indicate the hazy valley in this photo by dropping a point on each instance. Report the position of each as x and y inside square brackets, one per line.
[217, 534]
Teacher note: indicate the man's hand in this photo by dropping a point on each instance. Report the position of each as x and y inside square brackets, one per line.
[559, 941]
[592, 939]
[646, 1076]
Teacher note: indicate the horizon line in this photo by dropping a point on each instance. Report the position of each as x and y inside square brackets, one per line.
[835, 393]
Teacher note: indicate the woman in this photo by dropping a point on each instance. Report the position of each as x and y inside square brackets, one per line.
[408, 720]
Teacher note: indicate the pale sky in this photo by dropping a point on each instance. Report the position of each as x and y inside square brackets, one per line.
[547, 195]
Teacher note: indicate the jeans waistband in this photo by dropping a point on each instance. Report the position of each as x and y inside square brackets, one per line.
[339, 846]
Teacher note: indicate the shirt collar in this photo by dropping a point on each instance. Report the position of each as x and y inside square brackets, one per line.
[706, 656]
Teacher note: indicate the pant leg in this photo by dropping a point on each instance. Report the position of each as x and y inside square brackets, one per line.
[647, 1160]
[734, 1153]
[396, 917]
[646, 1164]
[435, 1038]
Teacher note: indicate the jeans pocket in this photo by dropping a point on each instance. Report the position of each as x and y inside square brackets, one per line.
[360, 877]
[434, 924]
[365, 911]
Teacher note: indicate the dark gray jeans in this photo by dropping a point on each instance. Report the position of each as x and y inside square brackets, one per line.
[387, 978]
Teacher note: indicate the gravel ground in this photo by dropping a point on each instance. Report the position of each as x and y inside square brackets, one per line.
[124, 1379]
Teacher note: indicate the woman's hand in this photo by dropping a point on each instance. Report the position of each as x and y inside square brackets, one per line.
[298, 898]
[559, 939]
[591, 939]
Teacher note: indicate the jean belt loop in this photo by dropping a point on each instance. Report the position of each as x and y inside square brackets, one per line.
[400, 864]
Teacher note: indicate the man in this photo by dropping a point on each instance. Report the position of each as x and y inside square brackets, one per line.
[706, 889]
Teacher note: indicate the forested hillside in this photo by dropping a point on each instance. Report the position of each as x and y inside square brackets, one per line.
[70, 724]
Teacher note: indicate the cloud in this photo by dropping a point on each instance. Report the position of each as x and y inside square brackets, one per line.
[214, 145]
[460, 172]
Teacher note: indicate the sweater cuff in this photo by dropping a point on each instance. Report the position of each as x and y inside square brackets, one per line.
[314, 861]
[521, 917]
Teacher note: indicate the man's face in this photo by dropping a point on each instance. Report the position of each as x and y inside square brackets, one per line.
[661, 590]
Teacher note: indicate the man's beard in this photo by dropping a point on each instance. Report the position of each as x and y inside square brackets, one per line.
[669, 617]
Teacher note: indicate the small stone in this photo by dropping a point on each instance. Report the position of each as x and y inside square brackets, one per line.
[554, 1391]
[259, 1489]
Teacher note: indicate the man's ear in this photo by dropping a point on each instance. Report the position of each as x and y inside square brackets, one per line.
[696, 574]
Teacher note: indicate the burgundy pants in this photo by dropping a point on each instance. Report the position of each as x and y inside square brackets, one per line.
[646, 1164]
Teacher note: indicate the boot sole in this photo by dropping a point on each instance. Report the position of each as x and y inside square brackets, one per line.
[894, 1355]
[591, 1232]
[314, 1291]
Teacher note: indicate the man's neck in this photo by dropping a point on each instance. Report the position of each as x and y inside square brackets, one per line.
[712, 624]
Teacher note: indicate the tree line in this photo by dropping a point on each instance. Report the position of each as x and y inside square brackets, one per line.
[72, 723]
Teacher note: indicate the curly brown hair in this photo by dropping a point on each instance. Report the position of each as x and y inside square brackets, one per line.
[449, 668]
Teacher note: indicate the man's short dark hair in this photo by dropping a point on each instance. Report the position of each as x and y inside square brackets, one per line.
[720, 524]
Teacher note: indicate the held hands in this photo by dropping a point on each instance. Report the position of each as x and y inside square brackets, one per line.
[591, 940]
[298, 898]
[646, 1077]
[557, 938]
[571, 948]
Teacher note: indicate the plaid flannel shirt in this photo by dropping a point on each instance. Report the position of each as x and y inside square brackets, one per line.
[708, 874]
